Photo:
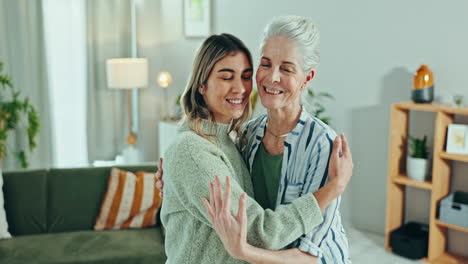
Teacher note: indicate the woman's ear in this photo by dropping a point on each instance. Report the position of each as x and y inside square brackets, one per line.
[310, 76]
[202, 89]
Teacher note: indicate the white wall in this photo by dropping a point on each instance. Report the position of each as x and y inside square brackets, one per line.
[161, 40]
[369, 49]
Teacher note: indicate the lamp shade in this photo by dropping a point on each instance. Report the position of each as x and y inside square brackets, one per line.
[125, 73]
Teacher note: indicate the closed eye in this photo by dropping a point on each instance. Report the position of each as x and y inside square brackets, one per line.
[226, 77]
[287, 70]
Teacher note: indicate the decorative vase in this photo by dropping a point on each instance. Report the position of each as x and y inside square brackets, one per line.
[417, 168]
[177, 112]
[423, 85]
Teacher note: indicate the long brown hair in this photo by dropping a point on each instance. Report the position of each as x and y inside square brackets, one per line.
[213, 49]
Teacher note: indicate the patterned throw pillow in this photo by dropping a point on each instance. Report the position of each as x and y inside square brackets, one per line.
[131, 201]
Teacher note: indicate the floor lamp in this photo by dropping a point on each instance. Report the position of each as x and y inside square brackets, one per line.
[127, 73]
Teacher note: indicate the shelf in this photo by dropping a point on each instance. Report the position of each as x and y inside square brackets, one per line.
[438, 186]
[432, 107]
[456, 157]
[404, 180]
[455, 227]
[448, 258]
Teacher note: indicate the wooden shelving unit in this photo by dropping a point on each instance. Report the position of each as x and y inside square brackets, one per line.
[441, 173]
[456, 157]
[454, 227]
[404, 180]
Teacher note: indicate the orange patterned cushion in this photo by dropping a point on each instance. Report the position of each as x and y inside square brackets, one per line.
[131, 201]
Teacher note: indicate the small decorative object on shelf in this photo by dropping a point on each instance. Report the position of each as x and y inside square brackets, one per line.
[454, 209]
[417, 164]
[423, 85]
[458, 100]
[457, 139]
[410, 240]
[177, 112]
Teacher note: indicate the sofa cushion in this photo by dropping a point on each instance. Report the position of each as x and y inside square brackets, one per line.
[75, 196]
[25, 194]
[116, 246]
[131, 201]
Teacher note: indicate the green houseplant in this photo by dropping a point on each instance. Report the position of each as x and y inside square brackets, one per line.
[419, 147]
[417, 161]
[177, 111]
[316, 108]
[13, 112]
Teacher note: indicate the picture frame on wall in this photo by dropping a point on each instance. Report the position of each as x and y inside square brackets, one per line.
[197, 18]
[457, 139]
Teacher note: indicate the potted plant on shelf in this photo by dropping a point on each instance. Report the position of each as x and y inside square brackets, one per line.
[177, 112]
[13, 112]
[417, 164]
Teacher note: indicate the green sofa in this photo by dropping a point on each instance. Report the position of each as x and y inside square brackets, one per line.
[51, 214]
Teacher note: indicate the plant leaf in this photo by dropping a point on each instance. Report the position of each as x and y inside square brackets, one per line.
[324, 94]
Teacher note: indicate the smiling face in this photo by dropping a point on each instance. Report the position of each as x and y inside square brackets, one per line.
[226, 93]
[280, 77]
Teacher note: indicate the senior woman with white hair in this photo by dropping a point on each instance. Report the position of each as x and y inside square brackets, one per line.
[287, 150]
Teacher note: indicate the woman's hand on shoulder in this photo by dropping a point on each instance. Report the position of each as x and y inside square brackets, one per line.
[340, 169]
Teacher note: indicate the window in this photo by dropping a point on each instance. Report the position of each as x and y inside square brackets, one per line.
[65, 38]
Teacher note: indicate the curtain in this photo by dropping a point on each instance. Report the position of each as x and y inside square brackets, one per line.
[108, 36]
[22, 50]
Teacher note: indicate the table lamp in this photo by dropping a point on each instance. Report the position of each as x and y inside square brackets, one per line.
[164, 79]
[127, 73]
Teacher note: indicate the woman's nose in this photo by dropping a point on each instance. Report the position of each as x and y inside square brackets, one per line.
[275, 75]
[238, 86]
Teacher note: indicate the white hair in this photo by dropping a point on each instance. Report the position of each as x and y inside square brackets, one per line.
[302, 31]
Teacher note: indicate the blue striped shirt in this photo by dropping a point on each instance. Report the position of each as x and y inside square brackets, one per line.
[307, 151]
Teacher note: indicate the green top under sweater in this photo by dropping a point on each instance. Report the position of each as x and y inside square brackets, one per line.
[189, 165]
[266, 172]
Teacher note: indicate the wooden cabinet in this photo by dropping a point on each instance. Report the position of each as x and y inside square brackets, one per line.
[439, 185]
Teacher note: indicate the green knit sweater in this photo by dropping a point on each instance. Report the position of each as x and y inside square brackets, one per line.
[189, 165]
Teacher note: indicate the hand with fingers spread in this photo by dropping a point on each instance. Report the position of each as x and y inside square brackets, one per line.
[232, 230]
[341, 164]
